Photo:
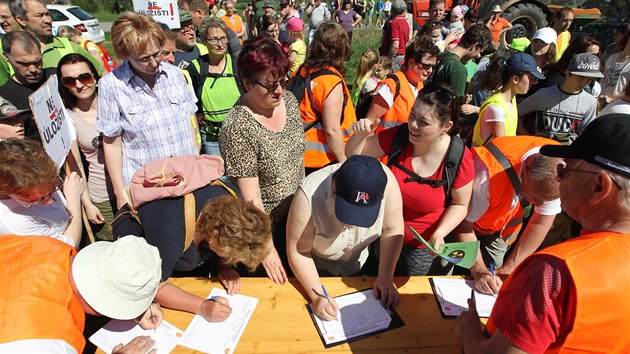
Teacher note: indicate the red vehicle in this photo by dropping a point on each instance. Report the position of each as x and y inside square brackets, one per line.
[527, 16]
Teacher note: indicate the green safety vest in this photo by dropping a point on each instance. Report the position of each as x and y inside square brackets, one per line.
[511, 117]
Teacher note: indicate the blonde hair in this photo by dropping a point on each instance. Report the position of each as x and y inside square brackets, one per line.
[68, 32]
[133, 32]
[241, 229]
[368, 61]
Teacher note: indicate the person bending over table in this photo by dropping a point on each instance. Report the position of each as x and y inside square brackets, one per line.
[572, 297]
[336, 213]
[228, 230]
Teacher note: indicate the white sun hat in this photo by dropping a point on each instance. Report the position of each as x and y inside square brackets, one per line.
[118, 279]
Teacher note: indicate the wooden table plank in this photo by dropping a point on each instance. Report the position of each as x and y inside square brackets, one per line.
[281, 324]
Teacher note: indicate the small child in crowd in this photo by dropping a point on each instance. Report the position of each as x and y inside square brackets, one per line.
[367, 64]
[297, 50]
[457, 20]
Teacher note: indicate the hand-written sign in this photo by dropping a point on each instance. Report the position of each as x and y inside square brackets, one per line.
[164, 11]
[53, 123]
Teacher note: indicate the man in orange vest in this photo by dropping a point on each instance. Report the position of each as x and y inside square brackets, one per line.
[47, 287]
[392, 101]
[510, 173]
[572, 297]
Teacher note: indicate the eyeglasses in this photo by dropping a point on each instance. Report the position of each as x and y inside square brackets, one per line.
[215, 41]
[189, 28]
[30, 203]
[272, 87]
[443, 95]
[426, 66]
[147, 59]
[563, 172]
[71, 82]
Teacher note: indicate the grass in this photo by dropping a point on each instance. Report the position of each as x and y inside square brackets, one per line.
[105, 16]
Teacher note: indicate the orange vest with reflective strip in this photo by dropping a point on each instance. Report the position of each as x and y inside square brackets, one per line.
[36, 300]
[501, 216]
[599, 267]
[401, 108]
[318, 153]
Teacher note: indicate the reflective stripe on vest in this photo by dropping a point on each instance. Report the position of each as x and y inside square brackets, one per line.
[501, 215]
[318, 153]
[598, 264]
[220, 93]
[36, 268]
[401, 107]
[511, 117]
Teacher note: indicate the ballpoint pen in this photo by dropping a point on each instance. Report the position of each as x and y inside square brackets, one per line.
[326, 294]
[493, 273]
[151, 311]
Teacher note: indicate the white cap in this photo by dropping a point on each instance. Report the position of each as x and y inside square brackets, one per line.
[546, 34]
[118, 279]
[496, 8]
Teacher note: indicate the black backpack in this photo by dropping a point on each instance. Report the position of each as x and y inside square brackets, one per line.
[455, 153]
[364, 106]
[299, 84]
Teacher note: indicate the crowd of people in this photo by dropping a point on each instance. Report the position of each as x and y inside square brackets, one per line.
[446, 130]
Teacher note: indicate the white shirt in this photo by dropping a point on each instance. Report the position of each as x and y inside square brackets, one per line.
[38, 220]
[386, 93]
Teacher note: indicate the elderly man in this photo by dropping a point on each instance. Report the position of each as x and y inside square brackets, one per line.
[510, 173]
[396, 35]
[47, 288]
[572, 297]
[336, 213]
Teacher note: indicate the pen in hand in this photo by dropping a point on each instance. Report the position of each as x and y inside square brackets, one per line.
[152, 318]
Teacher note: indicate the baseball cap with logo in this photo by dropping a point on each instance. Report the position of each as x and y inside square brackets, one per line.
[360, 186]
[585, 64]
[605, 143]
[8, 110]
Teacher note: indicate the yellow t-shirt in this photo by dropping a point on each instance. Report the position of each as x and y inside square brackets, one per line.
[300, 48]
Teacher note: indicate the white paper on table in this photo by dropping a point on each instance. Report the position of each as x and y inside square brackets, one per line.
[453, 295]
[359, 313]
[116, 332]
[220, 337]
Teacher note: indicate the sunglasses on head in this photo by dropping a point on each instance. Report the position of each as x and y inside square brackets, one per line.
[71, 82]
[443, 95]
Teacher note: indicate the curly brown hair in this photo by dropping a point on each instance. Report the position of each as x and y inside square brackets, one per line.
[241, 229]
[24, 166]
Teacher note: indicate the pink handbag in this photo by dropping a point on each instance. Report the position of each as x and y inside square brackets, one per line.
[173, 177]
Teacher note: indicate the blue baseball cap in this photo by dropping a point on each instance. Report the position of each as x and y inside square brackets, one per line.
[360, 186]
[523, 62]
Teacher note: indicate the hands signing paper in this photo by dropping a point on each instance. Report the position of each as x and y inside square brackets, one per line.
[216, 309]
[151, 318]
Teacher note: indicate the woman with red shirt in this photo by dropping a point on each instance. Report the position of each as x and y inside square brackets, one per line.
[425, 209]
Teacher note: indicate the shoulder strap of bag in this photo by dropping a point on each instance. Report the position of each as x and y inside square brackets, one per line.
[309, 93]
[397, 82]
[455, 154]
[400, 141]
[509, 170]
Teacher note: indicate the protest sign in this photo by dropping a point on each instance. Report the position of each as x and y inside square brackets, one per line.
[54, 125]
[164, 11]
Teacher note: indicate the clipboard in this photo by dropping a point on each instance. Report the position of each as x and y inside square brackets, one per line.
[395, 322]
[453, 302]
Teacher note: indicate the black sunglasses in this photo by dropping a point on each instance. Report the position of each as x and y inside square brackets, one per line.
[443, 95]
[71, 82]
[272, 87]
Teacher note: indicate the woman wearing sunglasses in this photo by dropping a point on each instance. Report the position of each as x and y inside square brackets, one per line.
[214, 80]
[77, 88]
[31, 200]
[419, 169]
[263, 144]
[506, 76]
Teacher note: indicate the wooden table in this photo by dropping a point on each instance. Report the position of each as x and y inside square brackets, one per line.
[281, 323]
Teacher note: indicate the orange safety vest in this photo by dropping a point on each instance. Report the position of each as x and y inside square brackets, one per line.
[236, 26]
[401, 108]
[598, 263]
[318, 153]
[501, 216]
[36, 301]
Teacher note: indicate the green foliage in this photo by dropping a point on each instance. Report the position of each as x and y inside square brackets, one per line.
[87, 5]
[362, 39]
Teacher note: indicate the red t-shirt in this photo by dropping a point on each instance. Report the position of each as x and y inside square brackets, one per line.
[398, 31]
[536, 309]
[423, 205]
[497, 28]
